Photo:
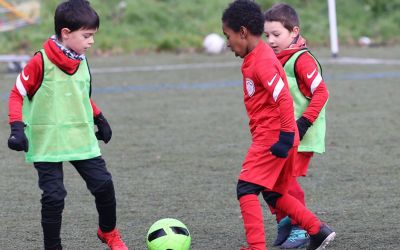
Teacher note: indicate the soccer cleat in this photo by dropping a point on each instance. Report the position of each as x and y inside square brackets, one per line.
[298, 238]
[320, 240]
[112, 239]
[284, 229]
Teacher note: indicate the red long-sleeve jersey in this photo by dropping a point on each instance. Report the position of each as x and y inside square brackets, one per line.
[268, 102]
[309, 80]
[30, 79]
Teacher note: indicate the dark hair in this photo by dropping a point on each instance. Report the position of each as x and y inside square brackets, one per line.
[75, 15]
[244, 13]
[284, 14]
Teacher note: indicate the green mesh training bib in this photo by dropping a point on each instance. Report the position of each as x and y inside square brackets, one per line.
[59, 117]
[314, 139]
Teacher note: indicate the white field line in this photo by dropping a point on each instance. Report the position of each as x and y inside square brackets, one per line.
[167, 67]
[176, 67]
[360, 61]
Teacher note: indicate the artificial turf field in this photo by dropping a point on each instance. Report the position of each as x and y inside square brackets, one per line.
[179, 137]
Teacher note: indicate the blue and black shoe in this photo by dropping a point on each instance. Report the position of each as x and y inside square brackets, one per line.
[298, 238]
[284, 229]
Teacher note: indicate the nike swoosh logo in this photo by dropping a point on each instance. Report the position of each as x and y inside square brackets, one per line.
[26, 78]
[311, 75]
[272, 81]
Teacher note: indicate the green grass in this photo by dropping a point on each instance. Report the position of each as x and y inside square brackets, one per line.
[177, 152]
[180, 25]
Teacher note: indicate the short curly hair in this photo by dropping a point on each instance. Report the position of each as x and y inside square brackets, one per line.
[244, 13]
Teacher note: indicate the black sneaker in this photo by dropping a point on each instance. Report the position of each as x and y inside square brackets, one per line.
[321, 239]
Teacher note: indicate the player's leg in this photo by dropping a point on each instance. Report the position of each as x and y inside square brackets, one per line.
[289, 235]
[320, 234]
[99, 182]
[53, 194]
[298, 237]
[302, 161]
[250, 207]
[284, 225]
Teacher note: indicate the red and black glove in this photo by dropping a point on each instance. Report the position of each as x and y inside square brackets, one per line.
[17, 140]
[303, 124]
[285, 143]
[104, 132]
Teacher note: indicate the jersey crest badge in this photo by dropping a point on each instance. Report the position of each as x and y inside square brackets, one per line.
[250, 87]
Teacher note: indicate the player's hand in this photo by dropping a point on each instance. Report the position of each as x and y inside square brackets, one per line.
[303, 124]
[17, 140]
[285, 143]
[104, 132]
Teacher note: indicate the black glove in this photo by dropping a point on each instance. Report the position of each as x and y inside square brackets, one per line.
[17, 140]
[303, 124]
[104, 132]
[281, 148]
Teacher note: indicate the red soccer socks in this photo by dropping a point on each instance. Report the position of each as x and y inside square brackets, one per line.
[299, 213]
[253, 222]
[296, 191]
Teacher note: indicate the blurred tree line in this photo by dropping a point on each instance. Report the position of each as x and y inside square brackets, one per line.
[155, 25]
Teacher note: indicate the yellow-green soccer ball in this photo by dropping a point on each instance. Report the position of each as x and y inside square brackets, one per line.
[168, 234]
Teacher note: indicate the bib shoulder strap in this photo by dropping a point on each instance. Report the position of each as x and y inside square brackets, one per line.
[291, 62]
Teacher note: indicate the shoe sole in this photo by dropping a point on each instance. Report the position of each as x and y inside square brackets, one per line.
[294, 247]
[328, 240]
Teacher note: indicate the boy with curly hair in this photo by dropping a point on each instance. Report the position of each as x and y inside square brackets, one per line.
[268, 165]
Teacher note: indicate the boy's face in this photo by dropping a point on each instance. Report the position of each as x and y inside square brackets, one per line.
[278, 37]
[235, 40]
[79, 40]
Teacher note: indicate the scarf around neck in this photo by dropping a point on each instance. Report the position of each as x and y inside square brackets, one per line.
[68, 52]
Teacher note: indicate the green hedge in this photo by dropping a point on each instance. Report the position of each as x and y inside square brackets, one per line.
[181, 24]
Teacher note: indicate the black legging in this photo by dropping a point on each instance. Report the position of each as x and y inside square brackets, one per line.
[51, 182]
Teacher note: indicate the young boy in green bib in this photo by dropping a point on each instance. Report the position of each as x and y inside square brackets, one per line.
[310, 95]
[52, 118]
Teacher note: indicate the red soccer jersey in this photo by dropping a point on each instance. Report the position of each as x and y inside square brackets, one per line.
[309, 80]
[268, 102]
[30, 79]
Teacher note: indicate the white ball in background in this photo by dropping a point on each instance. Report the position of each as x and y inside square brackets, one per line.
[214, 44]
[364, 41]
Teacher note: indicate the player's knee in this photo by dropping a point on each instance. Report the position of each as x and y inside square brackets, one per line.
[105, 193]
[100, 185]
[245, 188]
[53, 198]
[52, 207]
[271, 197]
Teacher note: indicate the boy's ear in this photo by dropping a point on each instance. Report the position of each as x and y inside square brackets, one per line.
[295, 31]
[243, 32]
[65, 33]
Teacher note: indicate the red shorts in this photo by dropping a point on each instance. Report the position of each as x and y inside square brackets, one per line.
[265, 169]
[301, 164]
